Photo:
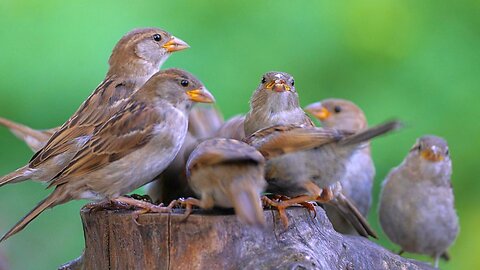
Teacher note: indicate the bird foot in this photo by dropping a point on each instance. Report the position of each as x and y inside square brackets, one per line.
[310, 206]
[188, 203]
[107, 205]
[143, 205]
[325, 196]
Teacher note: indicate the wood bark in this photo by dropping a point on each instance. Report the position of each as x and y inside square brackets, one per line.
[216, 240]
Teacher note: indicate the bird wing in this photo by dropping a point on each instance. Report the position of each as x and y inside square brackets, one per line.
[103, 103]
[126, 132]
[221, 151]
[278, 140]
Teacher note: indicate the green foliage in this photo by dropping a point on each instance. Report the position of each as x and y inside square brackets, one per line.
[413, 60]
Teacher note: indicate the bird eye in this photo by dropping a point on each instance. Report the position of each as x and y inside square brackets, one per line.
[264, 80]
[157, 37]
[293, 82]
[337, 109]
[184, 83]
[447, 153]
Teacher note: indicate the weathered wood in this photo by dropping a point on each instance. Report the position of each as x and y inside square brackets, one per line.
[115, 240]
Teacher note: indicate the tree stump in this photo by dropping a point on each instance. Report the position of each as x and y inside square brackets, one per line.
[216, 240]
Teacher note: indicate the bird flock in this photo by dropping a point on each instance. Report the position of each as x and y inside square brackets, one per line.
[139, 126]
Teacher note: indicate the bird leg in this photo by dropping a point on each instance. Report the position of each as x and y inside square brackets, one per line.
[188, 203]
[148, 207]
[310, 206]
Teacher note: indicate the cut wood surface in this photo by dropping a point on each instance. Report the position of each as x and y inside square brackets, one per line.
[216, 240]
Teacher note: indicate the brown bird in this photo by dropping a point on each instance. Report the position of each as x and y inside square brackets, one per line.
[131, 148]
[228, 173]
[275, 102]
[135, 58]
[357, 182]
[301, 158]
[416, 208]
[172, 183]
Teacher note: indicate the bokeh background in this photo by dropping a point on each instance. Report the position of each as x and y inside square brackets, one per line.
[415, 60]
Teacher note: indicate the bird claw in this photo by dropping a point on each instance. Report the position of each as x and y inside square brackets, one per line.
[107, 205]
[146, 206]
[188, 203]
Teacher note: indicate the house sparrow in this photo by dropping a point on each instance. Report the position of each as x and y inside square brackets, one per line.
[135, 58]
[131, 148]
[172, 183]
[311, 160]
[357, 182]
[228, 173]
[232, 129]
[416, 207]
[301, 158]
[275, 102]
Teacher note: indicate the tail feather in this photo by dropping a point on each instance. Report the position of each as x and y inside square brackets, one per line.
[248, 206]
[19, 175]
[35, 139]
[371, 133]
[351, 213]
[52, 200]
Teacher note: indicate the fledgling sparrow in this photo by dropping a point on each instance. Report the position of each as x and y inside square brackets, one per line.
[135, 58]
[301, 158]
[357, 182]
[230, 174]
[131, 148]
[172, 183]
[416, 207]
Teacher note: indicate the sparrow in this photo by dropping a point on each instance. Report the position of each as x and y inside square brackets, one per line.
[357, 182]
[416, 207]
[233, 128]
[228, 173]
[131, 148]
[136, 57]
[275, 102]
[302, 158]
[172, 183]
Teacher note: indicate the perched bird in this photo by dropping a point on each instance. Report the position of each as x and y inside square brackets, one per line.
[172, 183]
[302, 158]
[357, 182]
[136, 57]
[275, 102]
[131, 148]
[228, 173]
[232, 129]
[416, 207]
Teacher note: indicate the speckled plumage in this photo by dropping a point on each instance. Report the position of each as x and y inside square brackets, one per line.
[131, 148]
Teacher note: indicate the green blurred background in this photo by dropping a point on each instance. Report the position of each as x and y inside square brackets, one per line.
[415, 60]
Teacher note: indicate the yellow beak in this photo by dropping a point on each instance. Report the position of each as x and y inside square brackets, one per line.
[278, 86]
[318, 111]
[201, 95]
[175, 44]
[432, 155]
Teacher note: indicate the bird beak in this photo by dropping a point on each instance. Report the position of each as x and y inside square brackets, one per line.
[318, 111]
[433, 154]
[278, 86]
[201, 95]
[175, 44]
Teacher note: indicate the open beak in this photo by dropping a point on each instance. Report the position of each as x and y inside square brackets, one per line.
[432, 154]
[318, 111]
[278, 86]
[175, 44]
[201, 95]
